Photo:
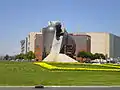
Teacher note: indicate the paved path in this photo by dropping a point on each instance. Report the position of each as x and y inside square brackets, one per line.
[60, 88]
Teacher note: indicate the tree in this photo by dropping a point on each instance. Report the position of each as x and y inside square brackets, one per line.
[30, 55]
[6, 57]
[99, 56]
[25, 56]
[84, 54]
[89, 55]
[20, 56]
[81, 54]
[17, 56]
[102, 56]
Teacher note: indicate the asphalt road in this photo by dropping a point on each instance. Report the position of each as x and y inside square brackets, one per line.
[60, 88]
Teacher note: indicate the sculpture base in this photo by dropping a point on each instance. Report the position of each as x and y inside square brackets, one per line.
[59, 58]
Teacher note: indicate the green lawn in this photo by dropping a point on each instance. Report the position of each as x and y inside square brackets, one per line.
[26, 73]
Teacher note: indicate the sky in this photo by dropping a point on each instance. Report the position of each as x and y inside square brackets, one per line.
[19, 17]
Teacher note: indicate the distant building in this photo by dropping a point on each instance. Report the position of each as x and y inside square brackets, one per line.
[83, 42]
[26, 44]
[29, 43]
[94, 42]
[22, 46]
[2, 57]
[106, 43]
[34, 42]
[38, 46]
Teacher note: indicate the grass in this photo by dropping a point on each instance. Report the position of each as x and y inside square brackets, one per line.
[26, 73]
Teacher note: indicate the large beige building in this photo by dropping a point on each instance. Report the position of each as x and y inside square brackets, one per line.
[101, 42]
[106, 43]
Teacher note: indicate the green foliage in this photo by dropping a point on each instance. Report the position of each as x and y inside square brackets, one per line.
[30, 55]
[99, 56]
[6, 57]
[20, 56]
[84, 54]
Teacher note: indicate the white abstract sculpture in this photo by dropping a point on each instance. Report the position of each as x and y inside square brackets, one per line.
[55, 55]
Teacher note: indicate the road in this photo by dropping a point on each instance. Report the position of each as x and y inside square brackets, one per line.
[60, 88]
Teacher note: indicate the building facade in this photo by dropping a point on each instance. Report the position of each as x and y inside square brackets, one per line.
[83, 42]
[105, 43]
[94, 42]
[38, 46]
[22, 42]
[31, 41]
[114, 45]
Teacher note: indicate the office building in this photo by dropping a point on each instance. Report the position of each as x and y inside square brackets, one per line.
[22, 42]
[29, 43]
[83, 42]
[38, 46]
[105, 43]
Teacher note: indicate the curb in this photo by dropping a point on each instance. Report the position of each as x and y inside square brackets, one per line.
[84, 86]
[60, 86]
[17, 86]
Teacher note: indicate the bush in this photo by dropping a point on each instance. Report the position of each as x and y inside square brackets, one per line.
[30, 55]
[84, 54]
[99, 56]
